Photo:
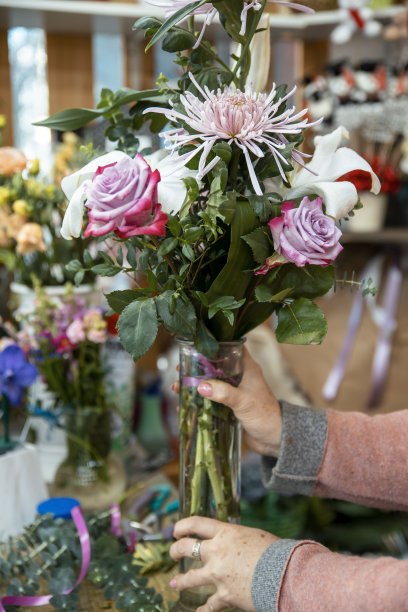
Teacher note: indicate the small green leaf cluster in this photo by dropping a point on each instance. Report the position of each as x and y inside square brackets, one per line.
[49, 551]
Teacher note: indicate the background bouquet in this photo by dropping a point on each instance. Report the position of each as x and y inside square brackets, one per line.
[64, 340]
[31, 212]
[229, 223]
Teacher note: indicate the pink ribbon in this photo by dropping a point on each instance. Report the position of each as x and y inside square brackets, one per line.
[209, 371]
[42, 600]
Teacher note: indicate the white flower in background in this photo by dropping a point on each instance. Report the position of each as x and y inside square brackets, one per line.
[171, 189]
[329, 162]
[246, 118]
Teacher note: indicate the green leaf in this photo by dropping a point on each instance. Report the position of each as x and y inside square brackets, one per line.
[173, 225]
[118, 300]
[179, 318]
[308, 281]
[188, 252]
[69, 119]
[301, 322]
[193, 233]
[168, 245]
[264, 208]
[79, 277]
[233, 278]
[105, 270]
[260, 242]
[205, 342]
[87, 257]
[74, 266]
[265, 293]
[131, 255]
[74, 118]
[178, 39]
[173, 20]
[147, 23]
[138, 327]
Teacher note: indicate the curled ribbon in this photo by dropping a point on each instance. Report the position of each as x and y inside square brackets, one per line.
[41, 600]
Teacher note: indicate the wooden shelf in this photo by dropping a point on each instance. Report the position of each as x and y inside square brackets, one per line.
[389, 235]
[90, 16]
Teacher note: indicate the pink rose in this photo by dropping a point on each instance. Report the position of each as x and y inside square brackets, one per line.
[76, 331]
[122, 198]
[303, 235]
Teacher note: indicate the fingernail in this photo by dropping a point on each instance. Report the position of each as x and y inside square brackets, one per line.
[205, 389]
[173, 583]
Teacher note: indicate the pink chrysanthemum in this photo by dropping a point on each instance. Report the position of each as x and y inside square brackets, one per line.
[248, 119]
[210, 12]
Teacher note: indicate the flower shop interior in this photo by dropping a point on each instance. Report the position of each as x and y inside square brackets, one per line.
[114, 308]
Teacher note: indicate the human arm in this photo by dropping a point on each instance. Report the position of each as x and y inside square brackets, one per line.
[327, 453]
[257, 572]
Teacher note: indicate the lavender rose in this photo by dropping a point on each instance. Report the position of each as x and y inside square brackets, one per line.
[122, 198]
[303, 235]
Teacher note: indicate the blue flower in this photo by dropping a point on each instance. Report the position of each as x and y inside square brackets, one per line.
[15, 374]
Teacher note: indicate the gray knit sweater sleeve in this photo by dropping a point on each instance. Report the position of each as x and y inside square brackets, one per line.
[304, 432]
[295, 471]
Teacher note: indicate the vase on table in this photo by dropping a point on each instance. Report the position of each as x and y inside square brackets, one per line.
[90, 473]
[210, 446]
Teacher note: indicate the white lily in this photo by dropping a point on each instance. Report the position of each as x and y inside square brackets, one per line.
[260, 55]
[329, 162]
[171, 189]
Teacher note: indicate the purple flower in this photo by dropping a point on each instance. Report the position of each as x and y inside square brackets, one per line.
[122, 198]
[303, 235]
[15, 374]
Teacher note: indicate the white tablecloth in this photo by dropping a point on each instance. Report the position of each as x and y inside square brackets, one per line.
[22, 487]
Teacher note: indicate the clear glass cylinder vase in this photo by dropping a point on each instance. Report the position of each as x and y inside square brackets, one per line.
[210, 446]
[88, 433]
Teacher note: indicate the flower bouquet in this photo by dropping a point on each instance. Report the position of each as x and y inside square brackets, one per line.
[31, 211]
[230, 222]
[63, 339]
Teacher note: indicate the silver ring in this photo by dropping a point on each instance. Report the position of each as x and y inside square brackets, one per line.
[196, 553]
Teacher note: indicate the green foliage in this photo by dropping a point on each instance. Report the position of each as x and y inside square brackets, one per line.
[49, 550]
[301, 322]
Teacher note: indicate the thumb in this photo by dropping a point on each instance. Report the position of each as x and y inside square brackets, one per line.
[219, 391]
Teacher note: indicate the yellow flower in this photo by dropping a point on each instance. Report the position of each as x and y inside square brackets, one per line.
[50, 191]
[70, 138]
[5, 195]
[34, 188]
[30, 239]
[34, 167]
[3, 121]
[21, 207]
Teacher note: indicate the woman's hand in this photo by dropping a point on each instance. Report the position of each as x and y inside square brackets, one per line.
[229, 554]
[254, 405]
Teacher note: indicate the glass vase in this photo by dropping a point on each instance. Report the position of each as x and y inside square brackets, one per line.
[88, 441]
[210, 446]
[90, 472]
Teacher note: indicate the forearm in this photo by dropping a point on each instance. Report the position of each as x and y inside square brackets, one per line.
[306, 577]
[342, 455]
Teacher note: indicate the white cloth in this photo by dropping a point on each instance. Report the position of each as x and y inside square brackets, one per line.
[22, 487]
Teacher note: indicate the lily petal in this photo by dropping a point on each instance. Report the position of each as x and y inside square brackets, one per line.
[339, 198]
[330, 162]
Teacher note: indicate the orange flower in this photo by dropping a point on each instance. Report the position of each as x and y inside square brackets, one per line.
[5, 240]
[30, 239]
[14, 224]
[11, 161]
